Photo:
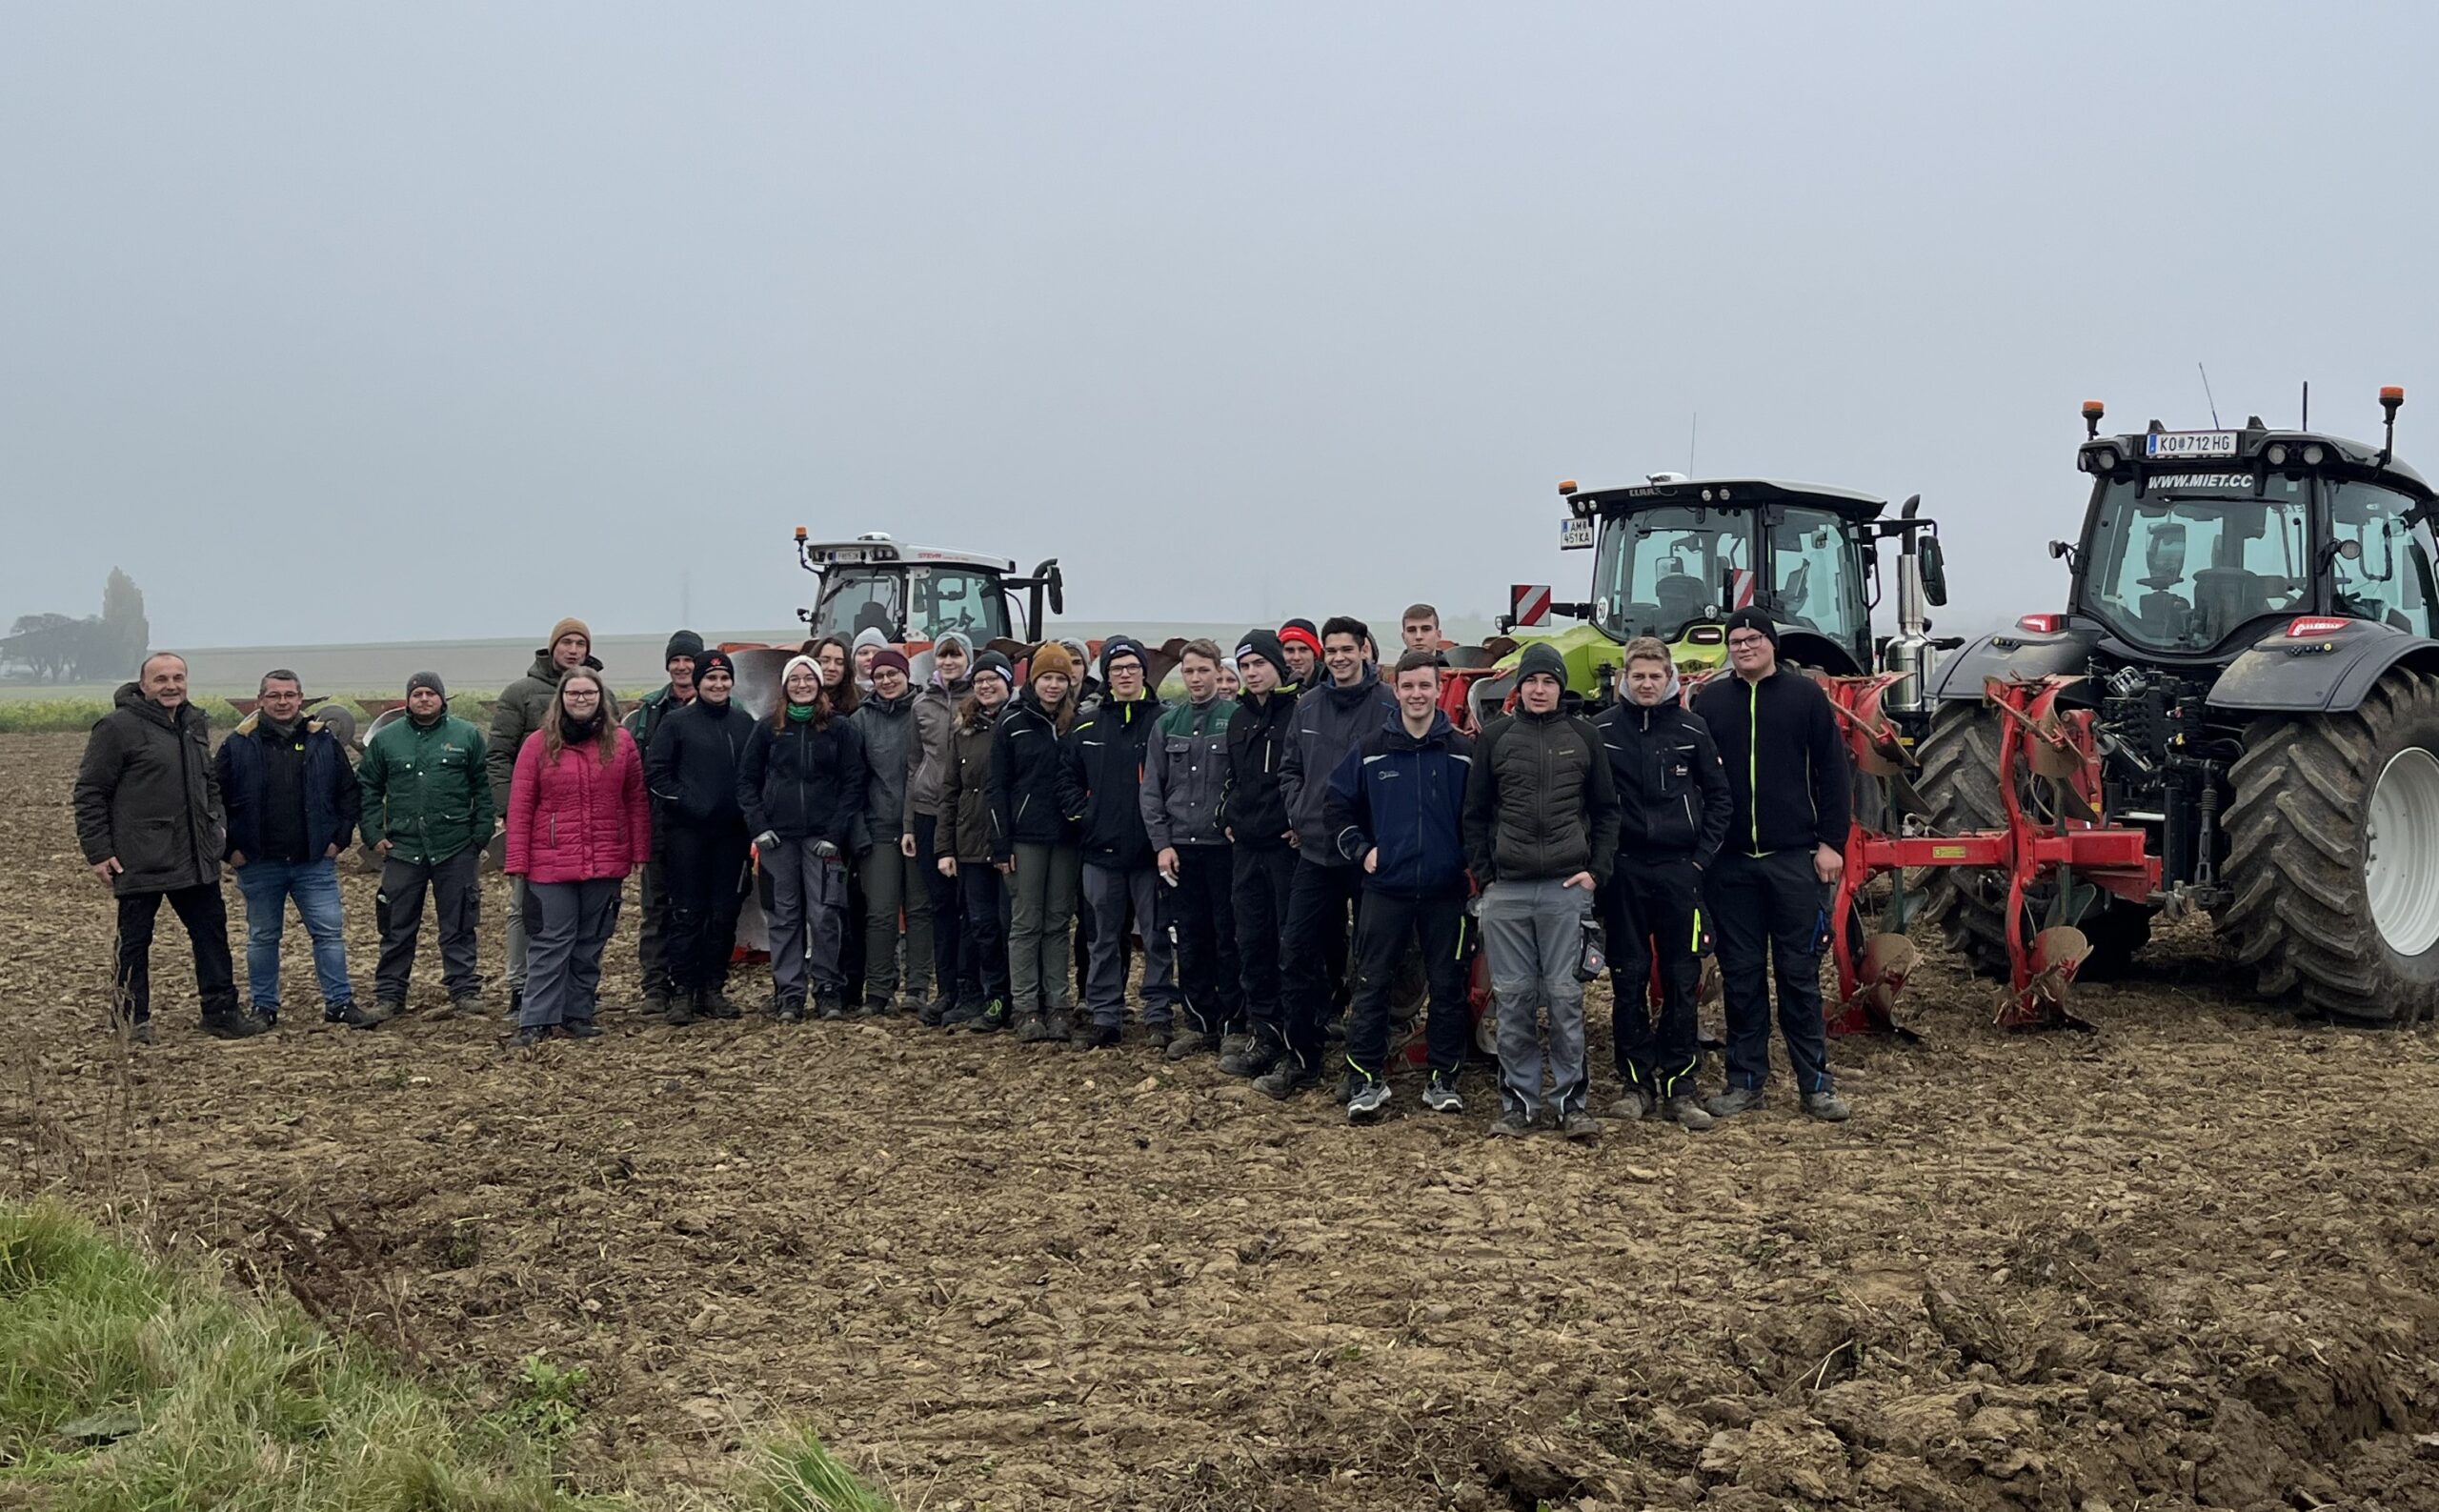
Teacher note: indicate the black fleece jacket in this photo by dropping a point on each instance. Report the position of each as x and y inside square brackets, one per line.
[1789, 778]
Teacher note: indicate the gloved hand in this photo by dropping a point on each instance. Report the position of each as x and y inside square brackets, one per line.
[767, 841]
[824, 849]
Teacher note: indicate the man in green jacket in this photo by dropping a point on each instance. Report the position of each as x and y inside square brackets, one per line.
[518, 714]
[427, 812]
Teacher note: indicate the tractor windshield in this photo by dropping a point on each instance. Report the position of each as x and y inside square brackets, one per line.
[2389, 579]
[958, 598]
[1660, 570]
[2186, 562]
[918, 602]
[1811, 576]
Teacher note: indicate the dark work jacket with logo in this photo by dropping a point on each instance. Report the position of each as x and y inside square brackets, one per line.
[1672, 796]
[1406, 797]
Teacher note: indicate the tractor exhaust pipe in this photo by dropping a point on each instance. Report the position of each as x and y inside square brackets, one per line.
[1910, 650]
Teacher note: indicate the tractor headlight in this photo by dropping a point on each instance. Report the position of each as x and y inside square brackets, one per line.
[2276, 453]
[2314, 455]
[2099, 460]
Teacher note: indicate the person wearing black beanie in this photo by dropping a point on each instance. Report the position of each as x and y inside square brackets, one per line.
[643, 722]
[691, 769]
[1252, 812]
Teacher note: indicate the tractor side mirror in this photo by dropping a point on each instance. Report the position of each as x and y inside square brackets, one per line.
[1934, 563]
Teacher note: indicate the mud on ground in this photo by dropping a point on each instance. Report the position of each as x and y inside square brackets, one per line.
[2190, 1261]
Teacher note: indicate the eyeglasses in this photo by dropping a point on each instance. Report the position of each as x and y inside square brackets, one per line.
[1747, 642]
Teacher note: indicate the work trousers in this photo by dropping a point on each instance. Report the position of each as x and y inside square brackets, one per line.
[704, 868]
[205, 914]
[456, 886]
[1654, 909]
[1318, 902]
[1387, 927]
[1766, 916]
[651, 931]
[955, 979]
[1112, 894]
[1043, 907]
[569, 925]
[808, 921]
[894, 892]
[516, 940]
[983, 902]
[1533, 932]
[268, 887]
[1197, 919]
[1260, 885]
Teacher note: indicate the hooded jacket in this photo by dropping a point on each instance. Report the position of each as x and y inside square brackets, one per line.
[965, 791]
[249, 784]
[1790, 783]
[1672, 797]
[805, 782]
[1101, 780]
[935, 723]
[523, 705]
[1028, 760]
[693, 762]
[1253, 808]
[1329, 720]
[1540, 803]
[893, 749]
[1406, 796]
[424, 789]
[1185, 774]
[576, 820]
[146, 793]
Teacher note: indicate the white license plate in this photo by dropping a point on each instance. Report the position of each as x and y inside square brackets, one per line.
[2166, 444]
[1575, 534]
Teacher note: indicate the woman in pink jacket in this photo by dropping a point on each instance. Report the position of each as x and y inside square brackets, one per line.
[578, 823]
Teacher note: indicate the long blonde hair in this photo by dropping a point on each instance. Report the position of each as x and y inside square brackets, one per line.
[554, 734]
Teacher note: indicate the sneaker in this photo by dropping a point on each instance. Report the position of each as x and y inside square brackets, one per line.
[961, 1016]
[1826, 1106]
[231, 1024]
[791, 1012]
[1098, 1037]
[1512, 1124]
[533, 1034]
[1634, 1107]
[1579, 1125]
[580, 1029]
[1284, 1081]
[828, 1007]
[1190, 1043]
[348, 1014]
[1370, 1101]
[1252, 1056]
[1733, 1101]
[992, 1017]
[1440, 1094]
[678, 1010]
[1686, 1112]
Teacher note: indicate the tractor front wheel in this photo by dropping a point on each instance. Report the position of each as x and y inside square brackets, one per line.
[2333, 855]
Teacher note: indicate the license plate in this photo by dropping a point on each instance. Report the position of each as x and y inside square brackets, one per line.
[1575, 534]
[2167, 444]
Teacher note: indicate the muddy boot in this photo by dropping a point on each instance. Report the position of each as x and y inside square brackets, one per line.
[1188, 1044]
[714, 1003]
[930, 1015]
[995, 1017]
[961, 1016]
[1686, 1112]
[1061, 1027]
[1826, 1106]
[1097, 1037]
[1252, 1056]
[1512, 1124]
[231, 1023]
[1031, 1029]
[656, 1000]
[1634, 1107]
[141, 1034]
[829, 1007]
[1579, 1125]
[1284, 1080]
[1733, 1101]
[678, 1009]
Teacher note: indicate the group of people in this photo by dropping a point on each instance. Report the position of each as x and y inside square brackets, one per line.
[985, 849]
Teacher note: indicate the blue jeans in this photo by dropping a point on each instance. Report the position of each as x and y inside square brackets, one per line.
[268, 886]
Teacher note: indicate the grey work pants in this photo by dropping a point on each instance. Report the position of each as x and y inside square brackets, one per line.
[571, 925]
[1533, 932]
[1110, 892]
[1042, 904]
[456, 885]
[892, 884]
[808, 921]
[516, 940]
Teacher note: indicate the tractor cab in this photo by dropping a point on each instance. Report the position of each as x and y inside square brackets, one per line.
[914, 595]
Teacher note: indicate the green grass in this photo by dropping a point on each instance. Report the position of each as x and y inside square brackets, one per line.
[132, 1385]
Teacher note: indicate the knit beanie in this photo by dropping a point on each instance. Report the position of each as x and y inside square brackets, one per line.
[870, 636]
[712, 661]
[1117, 648]
[427, 679]
[790, 669]
[1752, 619]
[1267, 645]
[956, 638]
[1303, 632]
[685, 643]
[892, 657]
[1539, 658]
[997, 666]
[1079, 652]
[1051, 656]
[570, 627]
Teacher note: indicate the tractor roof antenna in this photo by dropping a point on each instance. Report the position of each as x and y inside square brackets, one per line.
[2206, 394]
[1691, 436]
[2306, 423]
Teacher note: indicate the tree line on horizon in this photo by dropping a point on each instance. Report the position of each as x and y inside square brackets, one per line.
[64, 648]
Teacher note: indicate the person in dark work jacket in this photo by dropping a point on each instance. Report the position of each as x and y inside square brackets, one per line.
[691, 769]
[1790, 787]
[1101, 789]
[1252, 814]
[893, 886]
[1398, 803]
[294, 802]
[1185, 774]
[1541, 834]
[1674, 813]
[968, 840]
[643, 722]
[802, 788]
[1036, 847]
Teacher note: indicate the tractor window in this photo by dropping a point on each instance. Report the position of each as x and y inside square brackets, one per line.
[855, 598]
[1663, 569]
[950, 598]
[2389, 581]
[1811, 576]
[2184, 570]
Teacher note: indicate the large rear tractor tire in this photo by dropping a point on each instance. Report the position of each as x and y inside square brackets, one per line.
[2333, 856]
[1960, 781]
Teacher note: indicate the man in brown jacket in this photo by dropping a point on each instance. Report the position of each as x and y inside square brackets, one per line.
[150, 820]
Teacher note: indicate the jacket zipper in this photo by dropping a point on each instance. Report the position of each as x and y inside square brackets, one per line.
[1753, 760]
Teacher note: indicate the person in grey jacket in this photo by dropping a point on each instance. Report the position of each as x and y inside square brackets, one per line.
[886, 868]
[1185, 774]
[955, 977]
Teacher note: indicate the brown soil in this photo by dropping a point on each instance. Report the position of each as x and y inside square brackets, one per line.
[2191, 1260]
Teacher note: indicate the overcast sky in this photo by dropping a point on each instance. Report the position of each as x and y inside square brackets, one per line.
[351, 322]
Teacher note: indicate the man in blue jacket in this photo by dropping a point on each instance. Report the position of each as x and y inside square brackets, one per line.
[1101, 790]
[1397, 805]
[293, 808]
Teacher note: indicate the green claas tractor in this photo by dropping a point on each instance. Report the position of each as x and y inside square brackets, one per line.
[2245, 675]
